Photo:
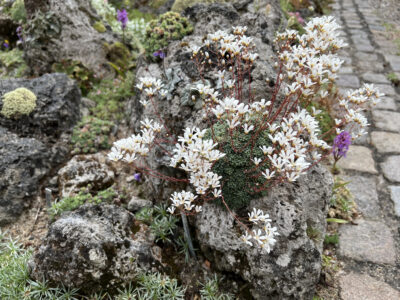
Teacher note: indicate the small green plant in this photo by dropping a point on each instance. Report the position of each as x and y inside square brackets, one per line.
[211, 291]
[325, 121]
[158, 286]
[331, 239]
[162, 223]
[12, 63]
[313, 233]
[77, 71]
[180, 5]
[18, 12]
[91, 135]
[120, 58]
[342, 202]
[163, 30]
[72, 203]
[393, 78]
[109, 95]
[18, 103]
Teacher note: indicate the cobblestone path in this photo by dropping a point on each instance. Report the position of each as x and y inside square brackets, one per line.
[370, 250]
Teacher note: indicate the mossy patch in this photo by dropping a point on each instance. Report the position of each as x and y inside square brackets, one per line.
[18, 103]
[239, 177]
[119, 56]
[166, 28]
[99, 26]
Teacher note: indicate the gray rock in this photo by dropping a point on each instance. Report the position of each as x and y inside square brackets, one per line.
[349, 81]
[386, 120]
[358, 158]
[135, 204]
[368, 241]
[395, 196]
[365, 195]
[71, 22]
[57, 105]
[23, 164]
[92, 248]
[386, 142]
[32, 146]
[375, 78]
[292, 269]
[83, 170]
[394, 62]
[387, 89]
[178, 110]
[387, 104]
[390, 168]
[354, 286]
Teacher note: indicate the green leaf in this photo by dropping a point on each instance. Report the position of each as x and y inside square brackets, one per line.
[334, 220]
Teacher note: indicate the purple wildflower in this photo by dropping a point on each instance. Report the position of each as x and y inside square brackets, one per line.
[6, 44]
[19, 33]
[137, 177]
[122, 17]
[341, 144]
[160, 54]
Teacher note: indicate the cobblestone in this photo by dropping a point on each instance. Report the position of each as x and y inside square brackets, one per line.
[386, 103]
[358, 158]
[375, 78]
[391, 168]
[368, 241]
[386, 120]
[365, 195]
[395, 196]
[386, 142]
[349, 81]
[355, 286]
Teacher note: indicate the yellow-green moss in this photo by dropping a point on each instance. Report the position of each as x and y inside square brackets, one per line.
[18, 102]
[180, 5]
[119, 56]
[99, 26]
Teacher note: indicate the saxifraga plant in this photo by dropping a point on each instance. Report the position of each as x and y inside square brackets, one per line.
[287, 134]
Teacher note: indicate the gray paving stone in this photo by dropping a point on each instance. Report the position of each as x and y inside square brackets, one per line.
[367, 56]
[370, 66]
[364, 191]
[368, 241]
[387, 89]
[355, 286]
[391, 168]
[386, 103]
[386, 142]
[346, 70]
[386, 120]
[366, 47]
[394, 62]
[358, 158]
[349, 81]
[395, 196]
[375, 78]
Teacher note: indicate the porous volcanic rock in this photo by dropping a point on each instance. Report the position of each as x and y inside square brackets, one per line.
[31, 146]
[83, 170]
[292, 269]
[178, 111]
[71, 36]
[23, 163]
[92, 248]
[57, 105]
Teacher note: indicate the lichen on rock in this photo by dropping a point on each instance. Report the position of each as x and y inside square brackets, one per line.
[18, 102]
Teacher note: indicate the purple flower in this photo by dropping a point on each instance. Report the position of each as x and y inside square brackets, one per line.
[6, 44]
[137, 177]
[122, 17]
[341, 144]
[19, 33]
[160, 54]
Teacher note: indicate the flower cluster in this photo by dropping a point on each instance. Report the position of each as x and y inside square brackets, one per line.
[264, 237]
[122, 17]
